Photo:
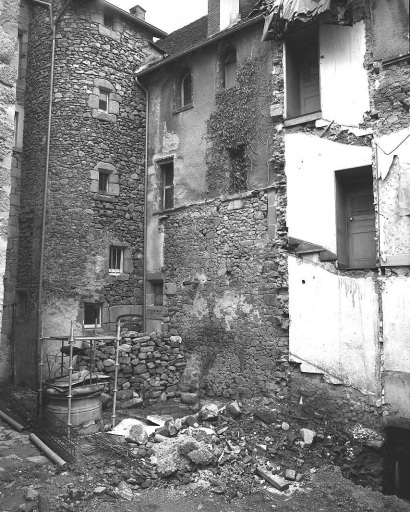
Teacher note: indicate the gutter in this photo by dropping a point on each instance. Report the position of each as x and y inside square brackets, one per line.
[218, 37]
[46, 179]
[144, 286]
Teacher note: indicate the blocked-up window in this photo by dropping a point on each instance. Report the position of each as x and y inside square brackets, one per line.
[355, 218]
[167, 179]
[116, 263]
[92, 314]
[302, 72]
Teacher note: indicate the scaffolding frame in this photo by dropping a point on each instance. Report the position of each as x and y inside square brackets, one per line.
[72, 339]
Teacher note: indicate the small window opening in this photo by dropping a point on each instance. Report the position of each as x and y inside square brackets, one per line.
[21, 306]
[103, 181]
[104, 101]
[230, 66]
[108, 20]
[92, 314]
[20, 54]
[116, 263]
[302, 73]
[186, 90]
[16, 129]
[167, 177]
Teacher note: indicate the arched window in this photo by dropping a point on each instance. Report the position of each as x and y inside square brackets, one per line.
[230, 70]
[186, 89]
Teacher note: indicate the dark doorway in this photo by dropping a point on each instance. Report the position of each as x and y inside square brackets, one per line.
[396, 474]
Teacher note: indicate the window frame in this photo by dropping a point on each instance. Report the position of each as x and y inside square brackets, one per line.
[294, 110]
[95, 305]
[103, 179]
[166, 167]
[118, 267]
[103, 91]
[108, 20]
[230, 58]
[184, 103]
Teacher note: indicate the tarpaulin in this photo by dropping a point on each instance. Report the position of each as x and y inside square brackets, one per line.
[284, 14]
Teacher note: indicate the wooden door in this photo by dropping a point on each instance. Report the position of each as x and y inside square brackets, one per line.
[309, 79]
[361, 229]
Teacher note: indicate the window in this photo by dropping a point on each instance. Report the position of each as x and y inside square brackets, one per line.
[238, 172]
[355, 218]
[116, 263]
[16, 129]
[155, 296]
[186, 90]
[92, 314]
[302, 73]
[20, 54]
[230, 70]
[108, 20]
[103, 101]
[167, 178]
[103, 180]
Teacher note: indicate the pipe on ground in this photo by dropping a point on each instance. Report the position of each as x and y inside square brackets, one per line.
[47, 451]
[11, 422]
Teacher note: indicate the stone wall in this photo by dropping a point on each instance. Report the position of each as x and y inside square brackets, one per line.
[150, 365]
[226, 293]
[82, 223]
[8, 78]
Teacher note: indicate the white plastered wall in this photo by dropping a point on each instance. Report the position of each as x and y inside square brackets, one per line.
[333, 325]
[310, 166]
[344, 89]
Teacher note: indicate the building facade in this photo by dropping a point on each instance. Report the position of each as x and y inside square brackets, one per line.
[80, 260]
[277, 224]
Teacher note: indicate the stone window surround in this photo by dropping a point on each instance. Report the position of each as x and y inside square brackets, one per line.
[178, 92]
[20, 125]
[114, 32]
[127, 264]
[113, 181]
[114, 100]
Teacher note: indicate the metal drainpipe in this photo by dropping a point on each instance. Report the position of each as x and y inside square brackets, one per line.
[53, 24]
[144, 313]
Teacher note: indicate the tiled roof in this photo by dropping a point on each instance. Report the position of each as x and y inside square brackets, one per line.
[197, 32]
[186, 37]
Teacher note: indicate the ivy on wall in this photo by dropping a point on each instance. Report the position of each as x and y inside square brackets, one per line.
[235, 127]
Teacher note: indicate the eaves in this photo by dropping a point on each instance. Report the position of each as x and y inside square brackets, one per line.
[217, 37]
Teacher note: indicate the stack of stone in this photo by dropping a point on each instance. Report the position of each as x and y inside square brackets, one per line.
[150, 365]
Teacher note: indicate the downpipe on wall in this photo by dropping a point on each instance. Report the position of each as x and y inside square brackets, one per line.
[53, 23]
[144, 285]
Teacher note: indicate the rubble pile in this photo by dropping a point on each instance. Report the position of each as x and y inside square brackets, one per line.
[234, 448]
[150, 366]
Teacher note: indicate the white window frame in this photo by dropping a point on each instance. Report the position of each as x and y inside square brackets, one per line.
[116, 251]
[99, 320]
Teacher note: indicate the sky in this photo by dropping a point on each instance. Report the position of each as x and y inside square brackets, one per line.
[167, 15]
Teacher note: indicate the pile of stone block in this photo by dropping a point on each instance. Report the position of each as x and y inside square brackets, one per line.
[150, 365]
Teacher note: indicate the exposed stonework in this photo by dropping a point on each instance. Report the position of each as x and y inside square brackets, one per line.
[82, 222]
[150, 364]
[8, 78]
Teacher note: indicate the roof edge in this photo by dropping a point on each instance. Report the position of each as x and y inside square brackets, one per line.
[216, 37]
[156, 32]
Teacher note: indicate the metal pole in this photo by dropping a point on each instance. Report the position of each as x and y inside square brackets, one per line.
[117, 346]
[70, 376]
[40, 373]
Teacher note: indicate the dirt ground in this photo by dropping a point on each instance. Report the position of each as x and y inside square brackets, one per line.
[29, 482]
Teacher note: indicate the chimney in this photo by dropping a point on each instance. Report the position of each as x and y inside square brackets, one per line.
[222, 14]
[138, 12]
